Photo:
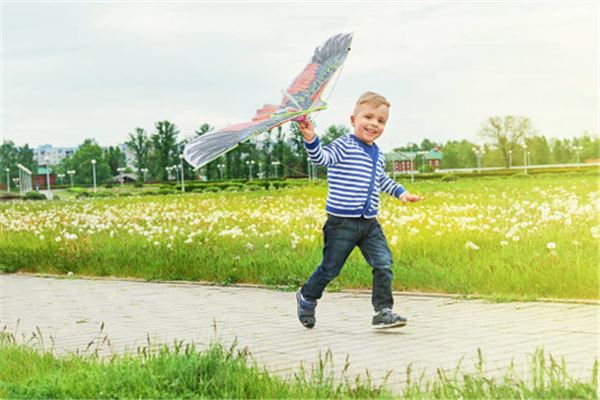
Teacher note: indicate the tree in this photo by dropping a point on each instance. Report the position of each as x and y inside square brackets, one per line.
[139, 143]
[164, 148]
[115, 158]
[505, 133]
[25, 158]
[458, 154]
[82, 163]
[334, 132]
[9, 157]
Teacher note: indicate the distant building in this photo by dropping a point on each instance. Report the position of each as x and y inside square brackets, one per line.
[404, 161]
[40, 179]
[54, 154]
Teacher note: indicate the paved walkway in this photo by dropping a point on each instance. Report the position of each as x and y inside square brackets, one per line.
[441, 330]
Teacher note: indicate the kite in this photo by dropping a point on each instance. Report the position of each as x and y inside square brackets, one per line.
[301, 98]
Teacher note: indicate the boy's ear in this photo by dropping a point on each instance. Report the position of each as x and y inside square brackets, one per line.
[352, 120]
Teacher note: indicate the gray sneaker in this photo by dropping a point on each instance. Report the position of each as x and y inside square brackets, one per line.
[385, 318]
[306, 311]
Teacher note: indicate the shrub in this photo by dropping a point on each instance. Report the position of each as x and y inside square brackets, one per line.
[83, 193]
[108, 185]
[167, 191]
[212, 189]
[232, 189]
[138, 184]
[450, 178]
[34, 196]
[251, 187]
[9, 196]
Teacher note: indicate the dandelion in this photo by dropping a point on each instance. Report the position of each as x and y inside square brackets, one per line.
[156, 243]
[58, 238]
[503, 243]
[267, 245]
[394, 240]
[515, 238]
[551, 245]
[472, 246]
[188, 241]
[249, 246]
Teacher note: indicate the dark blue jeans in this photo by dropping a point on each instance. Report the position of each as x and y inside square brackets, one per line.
[341, 236]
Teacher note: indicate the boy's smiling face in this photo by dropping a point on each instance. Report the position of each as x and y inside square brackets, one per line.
[369, 121]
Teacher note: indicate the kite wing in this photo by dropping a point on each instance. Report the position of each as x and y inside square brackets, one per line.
[302, 97]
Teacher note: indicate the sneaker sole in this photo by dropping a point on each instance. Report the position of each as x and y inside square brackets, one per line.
[399, 324]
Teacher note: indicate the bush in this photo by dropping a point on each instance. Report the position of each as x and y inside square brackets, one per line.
[108, 185]
[521, 175]
[450, 178]
[149, 192]
[212, 189]
[167, 191]
[34, 196]
[83, 193]
[137, 184]
[10, 196]
[232, 189]
[251, 187]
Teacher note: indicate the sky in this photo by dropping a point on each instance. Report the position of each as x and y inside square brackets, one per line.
[77, 70]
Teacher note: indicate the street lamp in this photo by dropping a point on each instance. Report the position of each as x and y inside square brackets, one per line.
[525, 156]
[47, 175]
[250, 164]
[71, 172]
[62, 178]
[577, 151]
[220, 168]
[528, 158]
[276, 165]
[8, 179]
[94, 173]
[143, 171]
[509, 159]
[168, 169]
[182, 170]
[479, 154]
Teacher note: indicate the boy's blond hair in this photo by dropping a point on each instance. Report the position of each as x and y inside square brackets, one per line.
[371, 98]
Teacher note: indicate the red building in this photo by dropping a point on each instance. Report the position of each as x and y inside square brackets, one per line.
[40, 178]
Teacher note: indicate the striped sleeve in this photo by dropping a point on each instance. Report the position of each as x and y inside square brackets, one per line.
[329, 155]
[388, 185]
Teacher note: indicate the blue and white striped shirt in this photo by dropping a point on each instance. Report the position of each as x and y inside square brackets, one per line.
[355, 175]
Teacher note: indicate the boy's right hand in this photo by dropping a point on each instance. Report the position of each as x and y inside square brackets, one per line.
[307, 129]
[408, 197]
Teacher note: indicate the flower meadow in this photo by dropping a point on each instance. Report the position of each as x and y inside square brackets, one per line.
[534, 237]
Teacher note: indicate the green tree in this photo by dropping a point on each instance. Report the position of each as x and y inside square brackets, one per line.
[458, 154]
[505, 133]
[9, 157]
[164, 148]
[82, 163]
[115, 159]
[334, 132]
[139, 143]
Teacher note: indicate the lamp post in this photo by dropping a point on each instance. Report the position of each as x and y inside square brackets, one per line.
[182, 174]
[220, 168]
[528, 158]
[62, 178]
[8, 179]
[168, 169]
[143, 171]
[71, 172]
[15, 181]
[47, 175]
[250, 164]
[94, 173]
[276, 165]
[525, 156]
[577, 151]
[479, 154]
[509, 159]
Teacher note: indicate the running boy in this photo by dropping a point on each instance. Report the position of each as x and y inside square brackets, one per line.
[355, 177]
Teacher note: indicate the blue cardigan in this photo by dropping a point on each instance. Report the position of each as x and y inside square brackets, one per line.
[355, 175]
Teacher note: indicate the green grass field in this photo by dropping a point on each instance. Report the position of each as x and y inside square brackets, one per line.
[182, 371]
[506, 238]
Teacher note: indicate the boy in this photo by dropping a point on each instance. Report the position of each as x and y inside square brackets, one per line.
[355, 177]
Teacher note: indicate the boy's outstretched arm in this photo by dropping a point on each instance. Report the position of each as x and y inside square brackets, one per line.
[326, 156]
[395, 189]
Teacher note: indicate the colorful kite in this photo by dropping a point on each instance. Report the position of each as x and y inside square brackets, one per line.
[301, 98]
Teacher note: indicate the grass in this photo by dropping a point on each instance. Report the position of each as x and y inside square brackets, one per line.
[182, 371]
[494, 237]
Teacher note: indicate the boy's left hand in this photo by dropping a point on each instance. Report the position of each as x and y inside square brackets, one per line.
[413, 198]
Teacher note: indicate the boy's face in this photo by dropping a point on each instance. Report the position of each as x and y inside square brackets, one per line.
[369, 121]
